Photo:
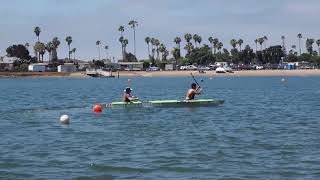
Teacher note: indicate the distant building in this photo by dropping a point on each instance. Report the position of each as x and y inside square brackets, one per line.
[39, 67]
[6, 63]
[83, 65]
[67, 68]
[170, 67]
[131, 66]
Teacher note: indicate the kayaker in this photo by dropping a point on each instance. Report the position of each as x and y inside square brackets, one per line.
[127, 95]
[195, 90]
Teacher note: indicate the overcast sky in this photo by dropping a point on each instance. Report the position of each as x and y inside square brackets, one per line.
[90, 20]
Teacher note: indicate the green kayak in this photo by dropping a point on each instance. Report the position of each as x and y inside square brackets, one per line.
[168, 103]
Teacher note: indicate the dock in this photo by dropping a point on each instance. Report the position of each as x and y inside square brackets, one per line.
[99, 73]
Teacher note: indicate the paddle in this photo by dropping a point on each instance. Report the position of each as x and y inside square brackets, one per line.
[199, 87]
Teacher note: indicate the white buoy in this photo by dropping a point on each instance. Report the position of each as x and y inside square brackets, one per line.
[64, 119]
[283, 80]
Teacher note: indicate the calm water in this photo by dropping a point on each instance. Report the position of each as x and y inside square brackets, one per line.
[265, 130]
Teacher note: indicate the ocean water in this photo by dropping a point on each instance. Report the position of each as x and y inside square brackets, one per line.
[267, 129]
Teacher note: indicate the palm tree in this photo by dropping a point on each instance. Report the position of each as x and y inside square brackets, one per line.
[133, 25]
[177, 40]
[122, 50]
[309, 45]
[197, 39]
[49, 48]
[299, 36]
[157, 44]
[188, 37]
[283, 38]
[98, 43]
[318, 44]
[148, 40]
[265, 38]
[56, 43]
[233, 43]
[162, 49]
[261, 41]
[37, 31]
[188, 47]
[124, 44]
[240, 42]
[210, 39]
[215, 45]
[153, 43]
[74, 53]
[106, 48]
[219, 46]
[40, 48]
[121, 30]
[256, 42]
[69, 41]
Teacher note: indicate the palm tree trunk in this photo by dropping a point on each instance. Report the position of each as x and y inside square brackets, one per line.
[69, 52]
[134, 40]
[99, 52]
[300, 46]
[148, 51]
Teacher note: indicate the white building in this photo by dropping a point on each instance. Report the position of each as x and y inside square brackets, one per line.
[131, 66]
[6, 63]
[39, 67]
[67, 68]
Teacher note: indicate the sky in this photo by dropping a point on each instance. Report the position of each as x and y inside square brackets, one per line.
[90, 20]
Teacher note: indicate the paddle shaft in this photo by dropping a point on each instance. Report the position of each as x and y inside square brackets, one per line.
[195, 80]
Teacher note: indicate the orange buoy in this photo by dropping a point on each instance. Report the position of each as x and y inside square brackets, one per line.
[97, 109]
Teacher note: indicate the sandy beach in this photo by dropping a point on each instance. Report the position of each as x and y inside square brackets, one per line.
[252, 73]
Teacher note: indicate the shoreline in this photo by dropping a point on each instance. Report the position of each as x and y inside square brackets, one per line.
[246, 73]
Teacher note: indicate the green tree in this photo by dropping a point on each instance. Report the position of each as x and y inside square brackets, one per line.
[176, 54]
[148, 40]
[18, 51]
[56, 43]
[265, 38]
[201, 56]
[121, 30]
[177, 40]
[215, 45]
[233, 43]
[74, 53]
[219, 46]
[188, 47]
[40, 48]
[309, 45]
[188, 37]
[69, 41]
[210, 39]
[106, 48]
[49, 48]
[240, 42]
[256, 42]
[197, 39]
[133, 24]
[261, 41]
[318, 44]
[37, 31]
[299, 36]
[98, 43]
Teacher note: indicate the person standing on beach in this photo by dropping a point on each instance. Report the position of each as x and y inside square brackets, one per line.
[195, 90]
[127, 95]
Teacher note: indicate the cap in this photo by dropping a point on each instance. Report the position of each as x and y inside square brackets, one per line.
[127, 89]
